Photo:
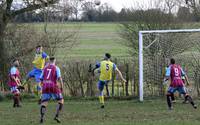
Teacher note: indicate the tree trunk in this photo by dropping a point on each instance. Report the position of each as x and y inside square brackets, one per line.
[3, 55]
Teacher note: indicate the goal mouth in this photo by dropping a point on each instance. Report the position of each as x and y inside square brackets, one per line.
[156, 47]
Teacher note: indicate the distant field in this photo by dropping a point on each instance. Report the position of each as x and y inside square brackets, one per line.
[151, 112]
[94, 39]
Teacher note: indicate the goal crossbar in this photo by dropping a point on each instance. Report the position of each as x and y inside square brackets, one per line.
[141, 98]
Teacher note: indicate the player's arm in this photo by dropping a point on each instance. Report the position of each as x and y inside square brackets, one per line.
[16, 80]
[42, 75]
[186, 77]
[120, 74]
[59, 78]
[187, 80]
[45, 56]
[97, 66]
[167, 75]
[61, 83]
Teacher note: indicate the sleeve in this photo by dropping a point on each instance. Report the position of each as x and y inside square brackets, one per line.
[44, 55]
[98, 64]
[114, 66]
[13, 71]
[58, 73]
[182, 72]
[168, 73]
[42, 75]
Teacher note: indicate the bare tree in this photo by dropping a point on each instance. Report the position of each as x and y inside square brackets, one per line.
[195, 7]
[9, 10]
[170, 5]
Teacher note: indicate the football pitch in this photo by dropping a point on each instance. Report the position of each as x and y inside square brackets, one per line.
[116, 112]
[93, 40]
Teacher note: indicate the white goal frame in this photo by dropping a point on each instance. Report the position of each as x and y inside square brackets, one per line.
[141, 33]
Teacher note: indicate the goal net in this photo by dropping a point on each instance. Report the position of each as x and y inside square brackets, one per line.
[156, 47]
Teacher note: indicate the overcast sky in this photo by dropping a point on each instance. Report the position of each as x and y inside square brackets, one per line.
[119, 4]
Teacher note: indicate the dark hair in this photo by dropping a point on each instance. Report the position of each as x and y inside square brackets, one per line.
[38, 46]
[52, 59]
[14, 60]
[107, 55]
[172, 61]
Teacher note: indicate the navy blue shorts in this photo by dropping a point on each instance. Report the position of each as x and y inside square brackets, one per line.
[101, 84]
[48, 96]
[181, 90]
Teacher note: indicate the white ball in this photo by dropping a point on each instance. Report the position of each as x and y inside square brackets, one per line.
[97, 2]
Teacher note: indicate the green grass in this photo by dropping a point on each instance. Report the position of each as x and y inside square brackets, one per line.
[151, 112]
[94, 39]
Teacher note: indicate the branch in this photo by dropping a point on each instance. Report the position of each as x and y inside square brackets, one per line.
[9, 3]
[34, 7]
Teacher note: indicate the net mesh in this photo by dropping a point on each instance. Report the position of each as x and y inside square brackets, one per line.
[159, 48]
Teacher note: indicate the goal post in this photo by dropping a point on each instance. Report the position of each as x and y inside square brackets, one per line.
[141, 42]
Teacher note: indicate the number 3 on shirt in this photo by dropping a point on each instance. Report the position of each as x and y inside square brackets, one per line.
[107, 67]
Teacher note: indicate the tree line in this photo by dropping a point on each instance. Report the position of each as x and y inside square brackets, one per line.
[81, 10]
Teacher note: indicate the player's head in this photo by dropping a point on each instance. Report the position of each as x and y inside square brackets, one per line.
[172, 61]
[38, 49]
[15, 62]
[107, 56]
[52, 60]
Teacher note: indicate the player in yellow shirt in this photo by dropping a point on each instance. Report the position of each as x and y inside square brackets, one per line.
[106, 68]
[38, 63]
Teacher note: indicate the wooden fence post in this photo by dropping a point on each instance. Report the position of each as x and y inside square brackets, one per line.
[127, 79]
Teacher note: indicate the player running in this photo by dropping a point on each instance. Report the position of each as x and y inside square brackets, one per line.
[175, 73]
[106, 68]
[51, 88]
[38, 63]
[14, 82]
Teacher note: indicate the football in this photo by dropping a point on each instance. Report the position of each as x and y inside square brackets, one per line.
[97, 2]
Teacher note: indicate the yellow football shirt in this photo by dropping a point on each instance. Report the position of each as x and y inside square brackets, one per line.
[106, 69]
[39, 60]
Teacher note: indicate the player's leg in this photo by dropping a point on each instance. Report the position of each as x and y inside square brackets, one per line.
[44, 103]
[59, 107]
[38, 86]
[101, 96]
[182, 90]
[170, 92]
[173, 98]
[16, 97]
[28, 77]
[185, 98]
[107, 90]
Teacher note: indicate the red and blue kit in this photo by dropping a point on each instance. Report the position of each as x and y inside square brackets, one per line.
[14, 72]
[50, 88]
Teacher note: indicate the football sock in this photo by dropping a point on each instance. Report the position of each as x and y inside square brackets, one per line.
[172, 97]
[14, 101]
[58, 109]
[42, 111]
[101, 100]
[169, 101]
[189, 98]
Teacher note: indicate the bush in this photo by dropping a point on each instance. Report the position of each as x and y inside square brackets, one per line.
[28, 96]
[8, 95]
[2, 97]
